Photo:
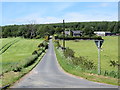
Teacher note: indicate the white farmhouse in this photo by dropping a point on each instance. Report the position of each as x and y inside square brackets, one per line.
[102, 33]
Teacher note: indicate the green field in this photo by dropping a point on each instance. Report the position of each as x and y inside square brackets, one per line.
[4, 41]
[16, 53]
[88, 49]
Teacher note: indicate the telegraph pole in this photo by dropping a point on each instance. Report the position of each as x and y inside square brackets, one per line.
[63, 35]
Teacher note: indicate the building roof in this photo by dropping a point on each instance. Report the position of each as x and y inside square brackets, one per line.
[77, 32]
[102, 32]
[67, 32]
[73, 31]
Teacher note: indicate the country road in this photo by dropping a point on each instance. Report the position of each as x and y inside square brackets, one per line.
[48, 74]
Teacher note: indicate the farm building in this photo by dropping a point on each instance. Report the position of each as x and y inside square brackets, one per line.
[76, 33]
[73, 32]
[103, 33]
[67, 33]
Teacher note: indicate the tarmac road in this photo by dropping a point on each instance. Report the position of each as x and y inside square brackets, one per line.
[48, 74]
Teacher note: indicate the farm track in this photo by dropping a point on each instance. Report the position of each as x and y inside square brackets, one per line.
[7, 46]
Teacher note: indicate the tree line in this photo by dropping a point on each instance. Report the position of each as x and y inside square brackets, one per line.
[40, 30]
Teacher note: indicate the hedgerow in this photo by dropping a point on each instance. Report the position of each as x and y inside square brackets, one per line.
[78, 37]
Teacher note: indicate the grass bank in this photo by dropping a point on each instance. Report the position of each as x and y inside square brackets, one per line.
[76, 70]
[88, 50]
[19, 59]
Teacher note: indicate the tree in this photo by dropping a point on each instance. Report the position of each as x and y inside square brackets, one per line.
[88, 31]
[22, 30]
[40, 31]
[51, 30]
[58, 30]
[0, 32]
[7, 31]
[32, 28]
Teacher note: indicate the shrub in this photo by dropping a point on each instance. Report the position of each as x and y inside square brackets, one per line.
[56, 37]
[89, 64]
[46, 37]
[69, 53]
[83, 62]
[106, 73]
[24, 63]
[34, 52]
[57, 44]
[114, 63]
[77, 60]
[113, 74]
[40, 52]
[41, 45]
[38, 37]
[17, 68]
[76, 40]
[30, 60]
[45, 44]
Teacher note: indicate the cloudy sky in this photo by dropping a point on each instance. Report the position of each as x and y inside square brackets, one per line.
[54, 12]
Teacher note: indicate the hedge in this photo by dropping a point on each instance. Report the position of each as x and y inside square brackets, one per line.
[79, 38]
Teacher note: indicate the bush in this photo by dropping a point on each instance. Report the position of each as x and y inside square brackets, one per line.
[30, 60]
[106, 73]
[57, 44]
[45, 43]
[38, 37]
[113, 74]
[69, 53]
[90, 65]
[114, 63]
[46, 37]
[34, 52]
[17, 68]
[40, 52]
[84, 63]
[41, 45]
[77, 60]
[24, 63]
[76, 40]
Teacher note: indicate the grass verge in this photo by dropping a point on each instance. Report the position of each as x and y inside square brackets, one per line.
[70, 68]
[8, 78]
